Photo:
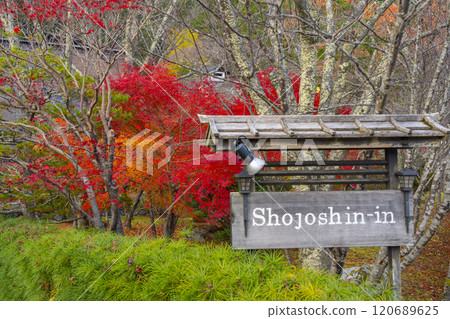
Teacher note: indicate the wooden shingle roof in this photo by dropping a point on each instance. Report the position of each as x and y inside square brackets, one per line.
[326, 131]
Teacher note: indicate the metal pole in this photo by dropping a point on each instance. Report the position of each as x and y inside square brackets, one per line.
[245, 214]
[407, 212]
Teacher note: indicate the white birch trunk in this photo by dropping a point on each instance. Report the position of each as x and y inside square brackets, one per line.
[281, 80]
[308, 60]
[242, 61]
[8, 21]
[326, 89]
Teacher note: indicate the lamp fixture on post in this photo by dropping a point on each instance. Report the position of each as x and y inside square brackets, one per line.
[406, 178]
[246, 184]
[252, 163]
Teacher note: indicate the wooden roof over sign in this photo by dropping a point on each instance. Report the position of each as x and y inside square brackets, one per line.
[275, 132]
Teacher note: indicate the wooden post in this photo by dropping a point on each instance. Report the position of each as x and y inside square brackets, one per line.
[391, 158]
[395, 278]
[394, 271]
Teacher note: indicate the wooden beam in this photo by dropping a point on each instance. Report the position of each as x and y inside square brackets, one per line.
[322, 172]
[342, 136]
[395, 271]
[391, 156]
[204, 119]
[399, 127]
[323, 181]
[328, 163]
[252, 128]
[434, 125]
[224, 144]
[326, 129]
[363, 128]
[214, 130]
[286, 128]
[310, 118]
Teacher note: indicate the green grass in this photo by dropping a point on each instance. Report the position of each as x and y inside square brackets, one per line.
[40, 262]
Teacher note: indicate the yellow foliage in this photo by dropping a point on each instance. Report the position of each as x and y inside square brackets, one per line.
[183, 43]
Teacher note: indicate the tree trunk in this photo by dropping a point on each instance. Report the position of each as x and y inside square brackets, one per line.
[68, 54]
[159, 34]
[25, 211]
[242, 60]
[8, 21]
[131, 29]
[394, 47]
[129, 213]
[338, 259]
[379, 266]
[344, 66]
[170, 224]
[152, 221]
[23, 204]
[329, 60]
[315, 258]
[116, 220]
[128, 218]
[308, 61]
[82, 222]
[446, 200]
[96, 216]
[281, 79]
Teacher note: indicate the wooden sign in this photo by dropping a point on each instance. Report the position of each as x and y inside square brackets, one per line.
[320, 219]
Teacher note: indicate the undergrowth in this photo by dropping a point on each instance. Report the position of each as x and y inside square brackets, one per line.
[40, 262]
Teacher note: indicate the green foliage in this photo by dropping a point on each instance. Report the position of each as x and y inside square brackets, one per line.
[39, 262]
[201, 215]
[223, 235]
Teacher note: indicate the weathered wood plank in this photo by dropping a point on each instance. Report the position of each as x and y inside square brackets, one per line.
[342, 172]
[319, 219]
[303, 126]
[252, 128]
[232, 127]
[399, 127]
[267, 127]
[328, 163]
[379, 126]
[391, 155]
[326, 143]
[344, 126]
[323, 181]
[416, 125]
[354, 163]
[395, 271]
[337, 134]
[286, 128]
[325, 128]
[363, 128]
[313, 118]
[427, 119]
[213, 127]
[208, 140]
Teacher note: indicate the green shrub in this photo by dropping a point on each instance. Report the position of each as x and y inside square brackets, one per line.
[201, 215]
[223, 235]
[39, 262]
